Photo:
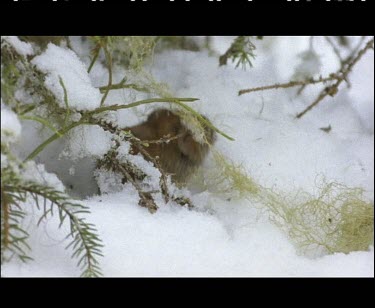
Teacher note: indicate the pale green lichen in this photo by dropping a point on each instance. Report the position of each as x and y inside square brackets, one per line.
[337, 219]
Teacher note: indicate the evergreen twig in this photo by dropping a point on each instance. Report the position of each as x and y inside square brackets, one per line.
[242, 49]
[85, 242]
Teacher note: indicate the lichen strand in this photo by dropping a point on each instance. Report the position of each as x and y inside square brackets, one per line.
[337, 219]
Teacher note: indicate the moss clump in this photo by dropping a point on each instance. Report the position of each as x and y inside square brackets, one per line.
[356, 227]
[335, 219]
[131, 51]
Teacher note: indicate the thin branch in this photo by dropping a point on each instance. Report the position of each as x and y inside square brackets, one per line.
[321, 96]
[142, 102]
[290, 84]
[96, 55]
[65, 100]
[54, 137]
[88, 115]
[339, 77]
[333, 89]
[177, 101]
[300, 90]
[41, 121]
[334, 48]
[355, 50]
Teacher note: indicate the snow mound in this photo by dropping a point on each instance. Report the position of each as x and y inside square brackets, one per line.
[59, 62]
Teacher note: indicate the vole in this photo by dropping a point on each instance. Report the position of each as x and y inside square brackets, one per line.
[179, 151]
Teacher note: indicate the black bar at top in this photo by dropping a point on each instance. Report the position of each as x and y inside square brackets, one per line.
[181, 17]
[197, 3]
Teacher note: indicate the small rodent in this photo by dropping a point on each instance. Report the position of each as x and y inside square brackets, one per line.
[180, 156]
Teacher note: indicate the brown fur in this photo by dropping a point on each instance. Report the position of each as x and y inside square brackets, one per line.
[179, 157]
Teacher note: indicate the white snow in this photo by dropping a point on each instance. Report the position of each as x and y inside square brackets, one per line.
[309, 67]
[178, 242]
[220, 236]
[23, 48]
[361, 95]
[38, 174]
[10, 125]
[60, 62]
[88, 140]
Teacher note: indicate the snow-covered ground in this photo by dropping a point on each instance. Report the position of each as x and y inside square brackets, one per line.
[221, 237]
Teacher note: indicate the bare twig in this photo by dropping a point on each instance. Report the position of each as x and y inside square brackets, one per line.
[334, 48]
[331, 90]
[355, 50]
[290, 84]
[343, 74]
[300, 90]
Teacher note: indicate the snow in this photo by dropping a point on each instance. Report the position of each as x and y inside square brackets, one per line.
[360, 94]
[38, 174]
[60, 62]
[220, 236]
[86, 141]
[309, 67]
[177, 242]
[22, 48]
[10, 124]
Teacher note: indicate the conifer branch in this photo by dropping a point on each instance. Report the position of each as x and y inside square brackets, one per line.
[85, 242]
[242, 49]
